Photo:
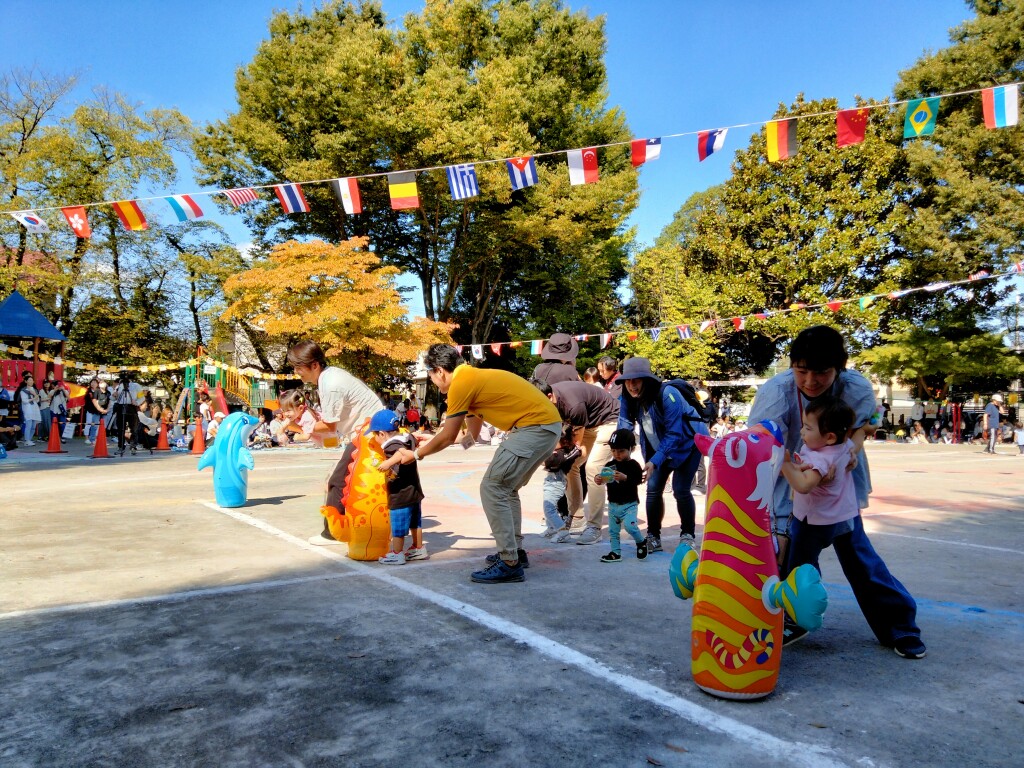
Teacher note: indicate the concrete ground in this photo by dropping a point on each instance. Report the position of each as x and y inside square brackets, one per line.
[141, 625]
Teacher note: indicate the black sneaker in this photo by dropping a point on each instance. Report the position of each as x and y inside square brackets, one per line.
[499, 573]
[653, 543]
[523, 559]
[641, 550]
[611, 557]
[910, 648]
[791, 632]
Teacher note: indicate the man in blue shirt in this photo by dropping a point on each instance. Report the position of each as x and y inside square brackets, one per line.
[991, 417]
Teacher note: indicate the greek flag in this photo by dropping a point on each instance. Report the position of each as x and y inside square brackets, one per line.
[462, 180]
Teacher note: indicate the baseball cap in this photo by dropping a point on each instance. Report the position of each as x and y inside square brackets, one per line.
[622, 438]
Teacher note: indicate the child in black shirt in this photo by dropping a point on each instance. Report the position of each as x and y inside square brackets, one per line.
[404, 490]
[558, 465]
[623, 476]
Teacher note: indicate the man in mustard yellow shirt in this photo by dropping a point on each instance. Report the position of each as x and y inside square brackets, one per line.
[512, 404]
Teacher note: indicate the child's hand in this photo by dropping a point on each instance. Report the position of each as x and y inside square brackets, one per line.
[618, 477]
[599, 480]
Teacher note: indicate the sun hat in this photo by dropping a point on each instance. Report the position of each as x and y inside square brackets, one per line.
[997, 398]
[637, 368]
[219, 415]
[561, 346]
[384, 421]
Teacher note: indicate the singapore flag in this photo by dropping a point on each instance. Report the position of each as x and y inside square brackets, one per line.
[582, 165]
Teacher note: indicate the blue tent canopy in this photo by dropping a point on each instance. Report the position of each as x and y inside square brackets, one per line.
[20, 320]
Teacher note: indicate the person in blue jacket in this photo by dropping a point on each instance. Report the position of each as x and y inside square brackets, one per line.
[667, 424]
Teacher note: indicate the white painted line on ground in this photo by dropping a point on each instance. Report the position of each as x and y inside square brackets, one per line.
[791, 753]
[174, 597]
[946, 541]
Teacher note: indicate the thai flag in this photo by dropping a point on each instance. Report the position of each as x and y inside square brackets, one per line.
[462, 181]
[184, 207]
[999, 106]
[522, 172]
[709, 142]
[644, 150]
[291, 197]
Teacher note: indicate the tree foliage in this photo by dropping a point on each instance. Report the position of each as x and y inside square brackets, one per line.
[337, 92]
[339, 295]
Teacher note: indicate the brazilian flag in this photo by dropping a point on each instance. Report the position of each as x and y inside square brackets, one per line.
[920, 119]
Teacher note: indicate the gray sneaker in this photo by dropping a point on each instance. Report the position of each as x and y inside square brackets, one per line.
[564, 536]
[653, 543]
[591, 535]
[689, 540]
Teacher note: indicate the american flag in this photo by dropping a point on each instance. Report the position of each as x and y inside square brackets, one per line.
[240, 196]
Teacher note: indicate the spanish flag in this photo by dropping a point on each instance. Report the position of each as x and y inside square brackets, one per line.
[781, 135]
[130, 214]
[402, 188]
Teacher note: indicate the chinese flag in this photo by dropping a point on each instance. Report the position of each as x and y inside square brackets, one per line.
[850, 126]
[77, 220]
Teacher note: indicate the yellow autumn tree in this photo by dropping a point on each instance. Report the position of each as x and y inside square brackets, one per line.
[337, 295]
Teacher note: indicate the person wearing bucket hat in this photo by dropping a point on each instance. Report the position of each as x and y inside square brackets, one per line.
[559, 356]
[667, 425]
[991, 418]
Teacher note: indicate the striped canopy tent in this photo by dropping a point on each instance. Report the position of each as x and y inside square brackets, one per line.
[19, 322]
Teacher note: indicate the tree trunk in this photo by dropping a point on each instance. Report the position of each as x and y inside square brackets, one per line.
[67, 295]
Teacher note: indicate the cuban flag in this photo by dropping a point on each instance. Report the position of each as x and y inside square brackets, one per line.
[184, 207]
[684, 332]
[709, 142]
[644, 150]
[291, 197]
[462, 181]
[522, 172]
[999, 106]
[30, 221]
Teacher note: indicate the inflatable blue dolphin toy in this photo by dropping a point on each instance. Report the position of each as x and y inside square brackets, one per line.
[230, 459]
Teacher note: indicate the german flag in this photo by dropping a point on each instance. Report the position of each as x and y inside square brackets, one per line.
[130, 214]
[781, 136]
[402, 188]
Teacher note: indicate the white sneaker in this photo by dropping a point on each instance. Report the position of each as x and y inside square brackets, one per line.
[392, 558]
[549, 531]
[562, 536]
[29, 443]
[88, 442]
[319, 540]
[417, 553]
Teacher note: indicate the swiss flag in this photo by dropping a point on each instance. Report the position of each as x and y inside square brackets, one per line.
[77, 220]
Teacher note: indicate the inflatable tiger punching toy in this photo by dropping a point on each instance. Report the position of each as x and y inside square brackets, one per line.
[738, 599]
[366, 525]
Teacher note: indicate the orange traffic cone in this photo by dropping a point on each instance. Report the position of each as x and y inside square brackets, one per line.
[161, 441]
[100, 451]
[54, 445]
[198, 439]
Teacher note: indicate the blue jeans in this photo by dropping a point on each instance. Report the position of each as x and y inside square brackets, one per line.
[92, 424]
[554, 489]
[623, 516]
[682, 479]
[886, 604]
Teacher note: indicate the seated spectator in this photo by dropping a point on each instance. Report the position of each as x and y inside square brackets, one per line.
[278, 435]
[918, 435]
[261, 436]
[146, 430]
[211, 431]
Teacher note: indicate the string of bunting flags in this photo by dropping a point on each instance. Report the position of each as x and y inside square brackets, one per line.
[690, 330]
[684, 331]
[999, 106]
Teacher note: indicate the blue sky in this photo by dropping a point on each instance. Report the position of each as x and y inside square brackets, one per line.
[673, 66]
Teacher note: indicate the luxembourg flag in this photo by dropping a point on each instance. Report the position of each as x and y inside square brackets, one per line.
[709, 142]
[184, 207]
[1000, 106]
[643, 150]
[291, 197]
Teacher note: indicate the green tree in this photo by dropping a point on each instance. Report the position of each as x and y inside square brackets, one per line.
[337, 92]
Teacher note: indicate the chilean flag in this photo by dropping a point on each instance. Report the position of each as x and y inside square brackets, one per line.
[291, 197]
[582, 165]
[709, 142]
[644, 150]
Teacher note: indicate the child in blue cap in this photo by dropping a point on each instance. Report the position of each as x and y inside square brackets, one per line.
[404, 490]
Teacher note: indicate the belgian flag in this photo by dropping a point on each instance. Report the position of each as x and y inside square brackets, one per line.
[402, 188]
